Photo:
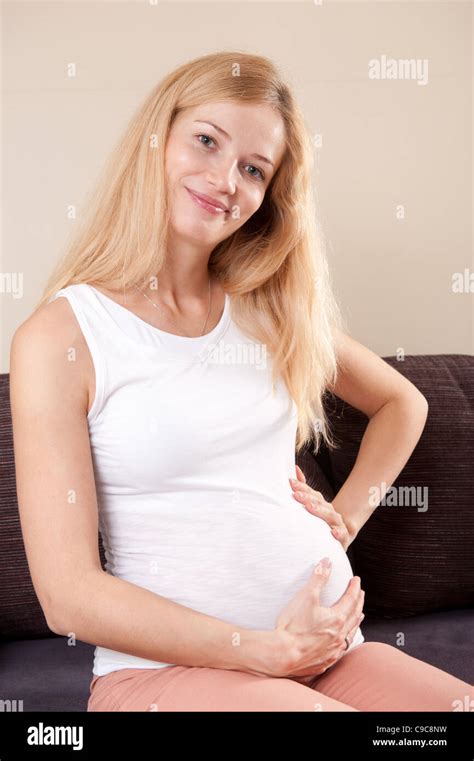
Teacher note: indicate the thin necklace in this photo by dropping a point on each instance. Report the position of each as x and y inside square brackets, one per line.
[180, 328]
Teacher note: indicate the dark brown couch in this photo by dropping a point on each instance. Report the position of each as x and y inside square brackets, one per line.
[416, 560]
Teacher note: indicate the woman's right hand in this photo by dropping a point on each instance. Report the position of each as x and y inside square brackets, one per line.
[311, 637]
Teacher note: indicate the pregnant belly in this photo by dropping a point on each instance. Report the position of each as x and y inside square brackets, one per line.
[240, 563]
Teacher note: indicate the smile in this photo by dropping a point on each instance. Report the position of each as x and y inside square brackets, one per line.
[205, 204]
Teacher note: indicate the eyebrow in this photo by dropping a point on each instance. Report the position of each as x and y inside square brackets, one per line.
[223, 132]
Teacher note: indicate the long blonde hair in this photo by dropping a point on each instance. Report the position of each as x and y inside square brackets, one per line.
[274, 266]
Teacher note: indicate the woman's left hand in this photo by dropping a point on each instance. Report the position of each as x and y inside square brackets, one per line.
[315, 504]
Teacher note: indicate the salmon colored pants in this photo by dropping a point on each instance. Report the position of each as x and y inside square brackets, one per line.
[373, 676]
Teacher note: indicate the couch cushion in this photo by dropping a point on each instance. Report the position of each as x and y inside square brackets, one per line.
[20, 612]
[48, 674]
[413, 560]
[445, 639]
[52, 675]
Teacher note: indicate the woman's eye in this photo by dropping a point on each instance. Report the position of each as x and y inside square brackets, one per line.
[258, 170]
[206, 145]
[207, 138]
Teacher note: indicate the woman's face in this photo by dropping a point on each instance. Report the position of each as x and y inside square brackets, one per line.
[218, 150]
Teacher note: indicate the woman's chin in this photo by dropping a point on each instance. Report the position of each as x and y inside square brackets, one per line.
[198, 235]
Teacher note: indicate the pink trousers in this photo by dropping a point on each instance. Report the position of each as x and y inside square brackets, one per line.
[373, 676]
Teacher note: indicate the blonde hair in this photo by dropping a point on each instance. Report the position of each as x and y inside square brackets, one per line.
[274, 266]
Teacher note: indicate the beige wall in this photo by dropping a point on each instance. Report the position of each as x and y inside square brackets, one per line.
[386, 143]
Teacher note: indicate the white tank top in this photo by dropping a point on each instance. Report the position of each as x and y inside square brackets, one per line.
[192, 454]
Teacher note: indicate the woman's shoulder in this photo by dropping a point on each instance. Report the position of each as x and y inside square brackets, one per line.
[51, 320]
[44, 340]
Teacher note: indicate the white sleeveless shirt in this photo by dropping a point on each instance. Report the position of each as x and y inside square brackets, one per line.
[192, 454]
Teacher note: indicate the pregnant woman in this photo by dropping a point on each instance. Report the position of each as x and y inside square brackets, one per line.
[177, 359]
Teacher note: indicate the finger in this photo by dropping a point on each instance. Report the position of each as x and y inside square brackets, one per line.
[359, 619]
[351, 634]
[326, 511]
[311, 506]
[319, 577]
[305, 490]
[339, 533]
[300, 485]
[300, 482]
[310, 673]
[304, 487]
[318, 508]
[354, 621]
[312, 497]
[346, 606]
[348, 640]
[352, 630]
[300, 475]
[329, 514]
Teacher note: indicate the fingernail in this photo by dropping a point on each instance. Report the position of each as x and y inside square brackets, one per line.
[326, 562]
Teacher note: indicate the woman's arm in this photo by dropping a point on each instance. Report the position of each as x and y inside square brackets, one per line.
[397, 412]
[113, 613]
[389, 439]
[59, 518]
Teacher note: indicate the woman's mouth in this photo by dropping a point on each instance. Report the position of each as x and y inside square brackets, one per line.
[205, 204]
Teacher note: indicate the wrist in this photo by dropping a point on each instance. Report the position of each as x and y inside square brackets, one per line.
[352, 527]
[275, 652]
[263, 651]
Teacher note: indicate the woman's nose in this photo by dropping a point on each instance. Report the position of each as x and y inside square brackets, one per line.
[223, 177]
